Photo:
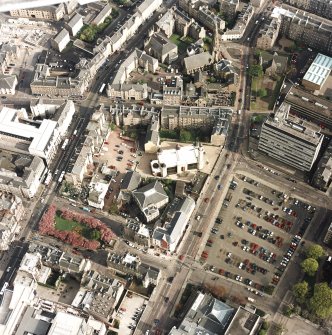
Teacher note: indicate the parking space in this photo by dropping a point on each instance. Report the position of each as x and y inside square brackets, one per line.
[255, 234]
[129, 313]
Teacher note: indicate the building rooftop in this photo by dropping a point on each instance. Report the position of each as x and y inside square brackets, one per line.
[207, 316]
[150, 194]
[197, 61]
[66, 324]
[64, 33]
[244, 323]
[319, 70]
[131, 181]
[74, 20]
[306, 100]
[38, 133]
[294, 126]
[182, 155]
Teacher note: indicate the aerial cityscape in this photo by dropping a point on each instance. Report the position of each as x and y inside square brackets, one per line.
[166, 167]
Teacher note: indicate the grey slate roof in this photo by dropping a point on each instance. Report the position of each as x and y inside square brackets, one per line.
[150, 194]
[131, 181]
[7, 82]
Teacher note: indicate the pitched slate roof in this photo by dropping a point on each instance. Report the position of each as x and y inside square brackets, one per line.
[150, 194]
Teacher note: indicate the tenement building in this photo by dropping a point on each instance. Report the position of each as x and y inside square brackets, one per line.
[319, 7]
[290, 140]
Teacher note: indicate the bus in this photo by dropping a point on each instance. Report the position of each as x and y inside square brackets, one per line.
[48, 178]
[61, 176]
[5, 285]
[102, 88]
[64, 144]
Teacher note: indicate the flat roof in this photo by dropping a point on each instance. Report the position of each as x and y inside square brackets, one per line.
[182, 155]
[294, 126]
[38, 133]
[319, 70]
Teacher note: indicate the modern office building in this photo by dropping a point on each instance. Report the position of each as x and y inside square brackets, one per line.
[318, 72]
[290, 140]
[315, 108]
[17, 131]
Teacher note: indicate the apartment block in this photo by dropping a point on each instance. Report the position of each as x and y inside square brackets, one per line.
[290, 140]
[306, 28]
[321, 8]
[209, 19]
[229, 8]
[50, 13]
[11, 212]
[241, 24]
[268, 34]
[173, 117]
[21, 174]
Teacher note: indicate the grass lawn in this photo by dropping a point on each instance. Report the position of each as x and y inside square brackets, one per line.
[65, 225]
[181, 43]
[62, 224]
[272, 87]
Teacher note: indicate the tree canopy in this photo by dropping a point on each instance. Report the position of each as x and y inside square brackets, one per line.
[310, 266]
[300, 291]
[321, 301]
[255, 70]
[315, 251]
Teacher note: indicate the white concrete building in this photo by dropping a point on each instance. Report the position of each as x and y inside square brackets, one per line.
[41, 138]
[75, 24]
[60, 41]
[15, 301]
[178, 160]
[97, 193]
[290, 139]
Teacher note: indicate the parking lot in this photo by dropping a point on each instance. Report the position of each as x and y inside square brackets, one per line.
[129, 313]
[121, 156]
[255, 234]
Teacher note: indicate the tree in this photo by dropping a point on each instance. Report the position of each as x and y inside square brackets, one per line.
[255, 71]
[321, 301]
[310, 266]
[315, 251]
[262, 92]
[185, 136]
[300, 291]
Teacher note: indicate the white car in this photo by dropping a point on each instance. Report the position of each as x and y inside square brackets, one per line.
[238, 278]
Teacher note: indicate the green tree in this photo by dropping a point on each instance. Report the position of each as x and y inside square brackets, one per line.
[185, 136]
[255, 71]
[321, 301]
[262, 92]
[300, 291]
[315, 251]
[310, 266]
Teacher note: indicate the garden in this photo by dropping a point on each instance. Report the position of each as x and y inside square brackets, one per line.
[312, 295]
[74, 228]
